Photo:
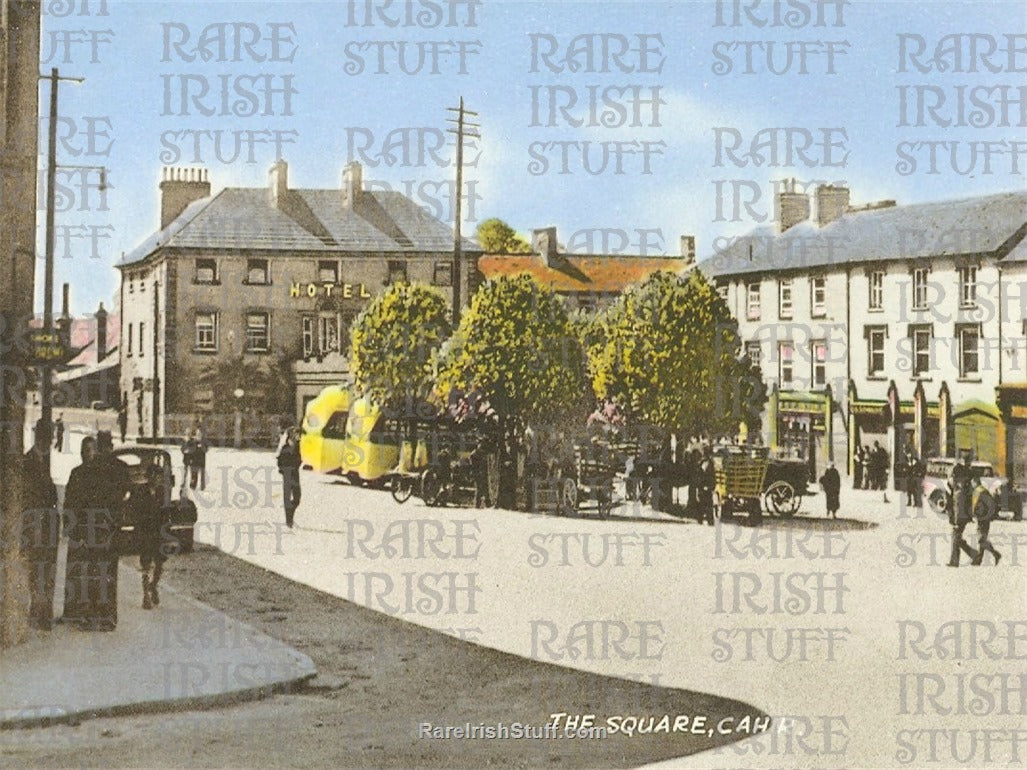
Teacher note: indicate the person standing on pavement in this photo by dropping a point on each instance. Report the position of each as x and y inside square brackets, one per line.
[880, 461]
[831, 482]
[76, 572]
[154, 541]
[706, 482]
[123, 418]
[200, 460]
[984, 511]
[289, 467]
[190, 448]
[96, 491]
[857, 468]
[960, 504]
[58, 428]
[40, 529]
[867, 466]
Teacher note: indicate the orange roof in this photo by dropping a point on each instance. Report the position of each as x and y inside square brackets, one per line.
[580, 273]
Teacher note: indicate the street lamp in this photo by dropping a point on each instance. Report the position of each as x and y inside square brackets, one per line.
[238, 393]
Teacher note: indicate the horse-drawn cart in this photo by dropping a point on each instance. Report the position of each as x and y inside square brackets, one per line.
[739, 473]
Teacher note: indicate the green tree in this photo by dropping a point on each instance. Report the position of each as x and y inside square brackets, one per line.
[394, 341]
[669, 352]
[497, 237]
[516, 346]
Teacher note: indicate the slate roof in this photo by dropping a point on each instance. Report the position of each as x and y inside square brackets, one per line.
[307, 220]
[987, 225]
[576, 273]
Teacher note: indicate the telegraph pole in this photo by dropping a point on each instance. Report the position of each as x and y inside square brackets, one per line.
[463, 129]
[46, 372]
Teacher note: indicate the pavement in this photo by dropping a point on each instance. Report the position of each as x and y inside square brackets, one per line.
[182, 654]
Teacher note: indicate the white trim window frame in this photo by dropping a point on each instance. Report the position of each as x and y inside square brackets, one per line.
[752, 300]
[258, 331]
[968, 286]
[818, 296]
[969, 340]
[875, 282]
[785, 305]
[921, 276]
[786, 363]
[205, 331]
[876, 337]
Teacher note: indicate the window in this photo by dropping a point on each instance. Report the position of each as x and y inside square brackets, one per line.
[328, 332]
[308, 336]
[785, 354]
[784, 298]
[920, 276]
[752, 301]
[397, 271]
[131, 283]
[968, 286]
[443, 274]
[142, 334]
[921, 336]
[818, 296]
[875, 351]
[328, 271]
[128, 348]
[257, 272]
[206, 271]
[876, 281]
[818, 355]
[258, 332]
[722, 291]
[206, 339]
[755, 353]
[969, 351]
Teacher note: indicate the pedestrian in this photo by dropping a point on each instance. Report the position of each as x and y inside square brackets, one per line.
[911, 479]
[40, 529]
[289, 467]
[831, 482]
[880, 464]
[706, 483]
[95, 493]
[58, 428]
[200, 460]
[857, 468]
[960, 505]
[190, 448]
[123, 419]
[867, 467]
[984, 511]
[916, 476]
[154, 541]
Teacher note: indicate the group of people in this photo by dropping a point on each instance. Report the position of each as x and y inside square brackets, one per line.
[871, 468]
[96, 493]
[969, 500]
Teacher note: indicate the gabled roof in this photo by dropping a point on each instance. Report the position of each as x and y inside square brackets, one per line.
[381, 222]
[612, 273]
[986, 225]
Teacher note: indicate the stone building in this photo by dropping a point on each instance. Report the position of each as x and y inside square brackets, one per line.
[883, 322]
[241, 295]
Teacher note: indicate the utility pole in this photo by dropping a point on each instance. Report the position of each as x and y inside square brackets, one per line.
[463, 129]
[46, 371]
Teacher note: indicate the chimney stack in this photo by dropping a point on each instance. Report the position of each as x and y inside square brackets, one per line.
[543, 243]
[178, 188]
[688, 249]
[793, 207]
[278, 178]
[101, 333]
[832, 202]
[352, 183]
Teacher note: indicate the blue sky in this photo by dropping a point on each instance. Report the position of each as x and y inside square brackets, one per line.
[331, 107]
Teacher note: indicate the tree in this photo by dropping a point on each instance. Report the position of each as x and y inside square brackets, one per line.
[517, 347]
[670, 353]
[394, 341]
[497, 237]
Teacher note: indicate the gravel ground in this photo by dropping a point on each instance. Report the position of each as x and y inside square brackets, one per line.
[379, 679]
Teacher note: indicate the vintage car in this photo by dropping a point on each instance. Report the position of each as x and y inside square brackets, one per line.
[936, 491]
[180, 512]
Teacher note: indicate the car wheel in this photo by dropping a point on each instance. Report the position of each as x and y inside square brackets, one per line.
[431, 487]
[938, 501]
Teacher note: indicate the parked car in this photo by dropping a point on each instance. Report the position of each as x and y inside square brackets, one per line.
[936, 491]
[180, 512]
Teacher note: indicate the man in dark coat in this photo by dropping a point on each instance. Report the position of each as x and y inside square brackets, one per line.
[960, 501]
[858, 461]
[155, 543]
[58, 427]
[831, 482]
[706, 483]
[96, 491]
[289, 466]
[40, 528]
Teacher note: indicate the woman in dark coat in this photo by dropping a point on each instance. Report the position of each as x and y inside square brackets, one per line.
[832, 485]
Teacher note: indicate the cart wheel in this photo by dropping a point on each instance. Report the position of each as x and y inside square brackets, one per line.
[781, 499]
[492, 476]
[401, 487]
[431, 487]
[568, 496]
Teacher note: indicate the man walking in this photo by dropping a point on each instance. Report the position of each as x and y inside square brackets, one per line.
[960, 500]
[58, 427]
[40, 529]
[831, 482]
[123, 418]
[289, 467]
[984, 510]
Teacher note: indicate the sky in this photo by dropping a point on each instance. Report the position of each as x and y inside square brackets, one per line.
[664, 151]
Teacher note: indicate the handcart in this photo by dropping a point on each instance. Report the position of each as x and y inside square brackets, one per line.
[739, 473]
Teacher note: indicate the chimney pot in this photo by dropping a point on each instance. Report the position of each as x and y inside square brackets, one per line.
[178, 190]
[352, 183]
[832, 202]
[793, 207]
[279, 182]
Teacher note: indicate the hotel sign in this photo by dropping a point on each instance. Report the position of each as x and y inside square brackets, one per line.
[344, 290]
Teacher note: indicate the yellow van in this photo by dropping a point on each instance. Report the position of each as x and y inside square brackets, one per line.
[322, 445]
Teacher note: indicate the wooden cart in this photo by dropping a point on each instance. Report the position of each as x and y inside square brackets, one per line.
[739, 473]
